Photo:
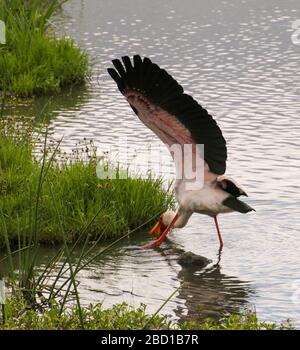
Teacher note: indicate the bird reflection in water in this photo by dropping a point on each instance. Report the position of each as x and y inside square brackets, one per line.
[206, 290]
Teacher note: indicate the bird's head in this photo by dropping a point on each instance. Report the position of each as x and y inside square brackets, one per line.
[164, 220]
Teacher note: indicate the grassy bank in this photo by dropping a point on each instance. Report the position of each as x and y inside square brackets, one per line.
[55, 200]
[33, 61]
[120, 316]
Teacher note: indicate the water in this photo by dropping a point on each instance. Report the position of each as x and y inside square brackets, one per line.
[238, 60]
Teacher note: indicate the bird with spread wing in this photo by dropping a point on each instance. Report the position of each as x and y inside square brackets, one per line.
[176, 118]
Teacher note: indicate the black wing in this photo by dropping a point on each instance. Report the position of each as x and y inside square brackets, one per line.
[157, 86]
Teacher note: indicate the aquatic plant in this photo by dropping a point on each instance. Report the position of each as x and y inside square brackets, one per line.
[122, 316]
[34, 61]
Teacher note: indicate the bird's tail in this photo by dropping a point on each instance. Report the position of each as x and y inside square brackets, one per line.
[237, 205]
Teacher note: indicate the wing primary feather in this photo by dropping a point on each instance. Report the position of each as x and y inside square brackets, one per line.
[119, 67]
[115, 76]
[137, 66]
[127, 63]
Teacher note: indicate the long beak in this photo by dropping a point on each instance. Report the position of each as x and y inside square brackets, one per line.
[157, 229]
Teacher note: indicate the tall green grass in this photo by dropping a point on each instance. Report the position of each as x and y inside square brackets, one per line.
[71, 195]
[44, 198]
[33, 61]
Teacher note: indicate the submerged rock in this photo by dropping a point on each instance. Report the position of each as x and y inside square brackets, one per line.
[191, 259]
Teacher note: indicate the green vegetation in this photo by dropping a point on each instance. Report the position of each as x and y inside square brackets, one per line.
[33, 61]
[246, 320]
[53, 197]
[71, 195]
[120, 316]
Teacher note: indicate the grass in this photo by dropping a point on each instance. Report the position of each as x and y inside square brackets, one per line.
[33, 61]
[71, 194]
[121, 316]
[53, 197]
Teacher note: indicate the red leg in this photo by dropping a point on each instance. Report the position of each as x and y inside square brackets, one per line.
[158, 241]
[218, 231]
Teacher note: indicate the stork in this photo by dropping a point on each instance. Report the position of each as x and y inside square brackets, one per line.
[176, 118]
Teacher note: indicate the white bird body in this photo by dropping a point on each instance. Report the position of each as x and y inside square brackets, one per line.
[177, 119]
[208, 200]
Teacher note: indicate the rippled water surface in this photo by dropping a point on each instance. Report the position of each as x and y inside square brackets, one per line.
[238, 60]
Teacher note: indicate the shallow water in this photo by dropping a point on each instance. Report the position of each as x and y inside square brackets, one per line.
[238, 60]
